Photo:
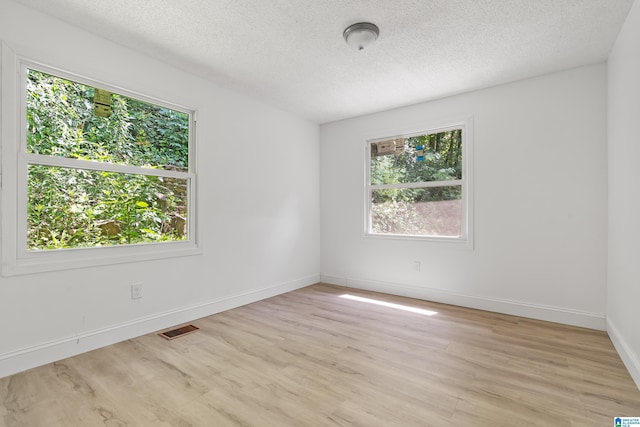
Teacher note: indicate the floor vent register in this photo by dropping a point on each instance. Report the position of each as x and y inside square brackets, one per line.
[178, 332]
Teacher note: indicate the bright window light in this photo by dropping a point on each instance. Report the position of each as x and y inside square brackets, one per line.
[390, 305]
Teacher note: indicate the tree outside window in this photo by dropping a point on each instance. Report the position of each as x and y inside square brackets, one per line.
[416, 185]
[103, 169]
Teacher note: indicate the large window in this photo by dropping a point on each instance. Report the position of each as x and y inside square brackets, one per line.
[101, 173]
[418, 185]
[103, 168]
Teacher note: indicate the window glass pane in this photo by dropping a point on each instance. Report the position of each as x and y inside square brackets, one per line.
[70, 119]
[81, 208]
[433, 211]
[433, 157]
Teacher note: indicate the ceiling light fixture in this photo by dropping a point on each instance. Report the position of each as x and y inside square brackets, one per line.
[361, 35]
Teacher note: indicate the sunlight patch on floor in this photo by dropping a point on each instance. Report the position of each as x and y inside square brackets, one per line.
[390, 305]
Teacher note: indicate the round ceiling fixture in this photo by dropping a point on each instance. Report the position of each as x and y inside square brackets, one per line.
[361, 35]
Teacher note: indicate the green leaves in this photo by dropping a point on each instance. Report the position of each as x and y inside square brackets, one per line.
[83, 207]
[442, 162]
[61, 122]
[101, 208]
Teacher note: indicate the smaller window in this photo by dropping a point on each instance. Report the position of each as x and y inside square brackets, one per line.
[417, 185]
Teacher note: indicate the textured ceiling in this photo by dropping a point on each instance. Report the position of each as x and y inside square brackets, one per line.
[291, 54]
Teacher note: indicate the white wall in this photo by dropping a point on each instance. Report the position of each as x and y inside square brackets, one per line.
[258, 207]
[540, 202]
[623, 319]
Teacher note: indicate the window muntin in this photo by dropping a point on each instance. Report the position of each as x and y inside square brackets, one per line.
[95, 179]
[417, 185]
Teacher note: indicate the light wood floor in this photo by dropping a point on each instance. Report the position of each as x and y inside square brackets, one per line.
[312, 358]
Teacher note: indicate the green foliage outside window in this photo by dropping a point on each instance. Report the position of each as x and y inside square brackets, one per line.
[442, 162]
[81, 207]
[419, 211]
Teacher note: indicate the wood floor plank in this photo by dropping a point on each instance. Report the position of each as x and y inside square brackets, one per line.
[313, 358]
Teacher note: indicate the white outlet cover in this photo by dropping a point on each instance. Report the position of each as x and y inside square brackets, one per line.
[136, 291]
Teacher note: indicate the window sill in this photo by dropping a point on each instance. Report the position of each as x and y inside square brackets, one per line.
[69, 259]
[454, 242]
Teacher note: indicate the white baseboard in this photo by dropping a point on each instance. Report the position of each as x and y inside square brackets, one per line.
[333, 280]
[27, 358]
[516, 308]
[629, 358]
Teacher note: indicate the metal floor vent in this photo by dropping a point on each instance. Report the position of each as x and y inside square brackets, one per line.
[178, 332]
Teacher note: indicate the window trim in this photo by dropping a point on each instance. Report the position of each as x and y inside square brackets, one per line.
[16, 259]
[466, 238]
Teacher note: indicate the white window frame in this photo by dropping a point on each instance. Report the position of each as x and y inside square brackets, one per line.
[466, 237]
[16, 259]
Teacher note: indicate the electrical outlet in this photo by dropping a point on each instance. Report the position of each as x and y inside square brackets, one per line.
[136, 291]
